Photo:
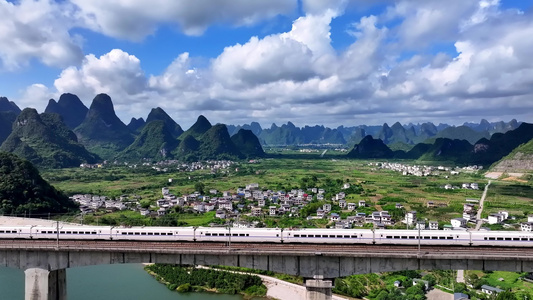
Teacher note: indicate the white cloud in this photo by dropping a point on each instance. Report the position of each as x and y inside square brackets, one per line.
[35, 96]
[298, 75]
[116, 73]
[37, 29]
[136, 19]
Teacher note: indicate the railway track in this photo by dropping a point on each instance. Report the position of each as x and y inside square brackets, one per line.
[317, 249]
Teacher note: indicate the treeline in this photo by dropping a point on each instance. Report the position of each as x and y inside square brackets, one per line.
[184, 279]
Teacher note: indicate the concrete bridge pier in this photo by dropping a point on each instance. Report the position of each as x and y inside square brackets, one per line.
[318, 288]
[42, 284]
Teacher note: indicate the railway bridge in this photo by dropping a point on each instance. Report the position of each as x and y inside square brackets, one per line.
[45, 261]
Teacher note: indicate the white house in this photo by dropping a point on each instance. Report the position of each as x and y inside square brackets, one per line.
[272, 210]
[342, 204]
[495, 218]
[351, 206]
[421, 225]
[528, 226]
[410, 217]
[433, 225]
[362, 203]
[458, 222]
[326, 207]
[489, 290]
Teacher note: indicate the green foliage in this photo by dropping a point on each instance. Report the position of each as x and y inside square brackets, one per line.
[155, 142]
[248, 144]
[223, 282]
[22, 189]
[184, 288]
[102, 132]
[45, 141]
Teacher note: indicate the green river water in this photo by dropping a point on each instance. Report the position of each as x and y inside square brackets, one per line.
[105, 282]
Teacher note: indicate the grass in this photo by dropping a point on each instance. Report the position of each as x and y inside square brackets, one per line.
[286, 174]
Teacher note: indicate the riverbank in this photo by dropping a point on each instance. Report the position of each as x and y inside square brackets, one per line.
[280, 289]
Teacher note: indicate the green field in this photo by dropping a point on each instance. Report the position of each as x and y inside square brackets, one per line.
[381, 189]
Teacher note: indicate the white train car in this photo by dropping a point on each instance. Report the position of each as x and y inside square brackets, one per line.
[15, 232]
[328, 236]
[253, 235]
[502, 238]
[152, 233]
[71, 232]
[426, 237]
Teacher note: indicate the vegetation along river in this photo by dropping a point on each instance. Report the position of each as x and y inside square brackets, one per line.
[105, 282]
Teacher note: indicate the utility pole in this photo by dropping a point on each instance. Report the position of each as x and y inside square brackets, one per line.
[57, 229]
[418, 238]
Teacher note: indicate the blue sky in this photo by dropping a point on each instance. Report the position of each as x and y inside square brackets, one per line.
[331, 62]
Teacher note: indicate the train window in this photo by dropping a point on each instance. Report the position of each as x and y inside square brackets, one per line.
[304, 235]
[1, 231]
[157, 233]
[227, 234]
[434, 237]
[241, 234]
[207, 234]
[404, 237]
[525, 239]
[124, 233]
[247, 234]
[94, 232]
[311, 235]
[130, 233]
[137, 233]
[346, 236]
[69, 232]
[331, 236]
[485, 238]
[412, 237]
[150, 233]
[235, 234]
[143, 233]
[499, 239]
[396, 237]
[449, 238]
[516, 239]
[62, 232]
[389, 236]
[354, 236]
[491, 239]
[442, 237]
[508, 239]
[296, 235]
[339, 236]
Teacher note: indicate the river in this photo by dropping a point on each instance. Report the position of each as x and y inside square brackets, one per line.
[105, 282]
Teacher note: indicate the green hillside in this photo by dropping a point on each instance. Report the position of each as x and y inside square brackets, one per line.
[23, 190]
[46, 141]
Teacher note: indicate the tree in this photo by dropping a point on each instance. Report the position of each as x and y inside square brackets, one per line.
[459, 288]
[506, 295]
[199, 187]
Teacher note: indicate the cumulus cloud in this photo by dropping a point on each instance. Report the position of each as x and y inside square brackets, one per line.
[138, 18]
[297, 75]
[116, 73]
[37, 29]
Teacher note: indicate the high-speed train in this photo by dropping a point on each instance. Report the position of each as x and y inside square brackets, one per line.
[272, 235]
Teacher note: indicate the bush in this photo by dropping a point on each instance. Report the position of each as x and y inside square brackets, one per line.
[184, 288]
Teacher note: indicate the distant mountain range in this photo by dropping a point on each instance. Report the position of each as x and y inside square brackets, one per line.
[69, 133]
[396, 136]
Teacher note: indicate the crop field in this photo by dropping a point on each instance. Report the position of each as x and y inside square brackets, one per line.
[381, 189]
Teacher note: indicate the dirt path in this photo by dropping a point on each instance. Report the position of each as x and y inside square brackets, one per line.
[479, 221]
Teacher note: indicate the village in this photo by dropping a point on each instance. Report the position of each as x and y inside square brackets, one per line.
[251, 201]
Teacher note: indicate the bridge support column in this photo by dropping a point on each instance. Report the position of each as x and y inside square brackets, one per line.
[42, 284]
[318, 288]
